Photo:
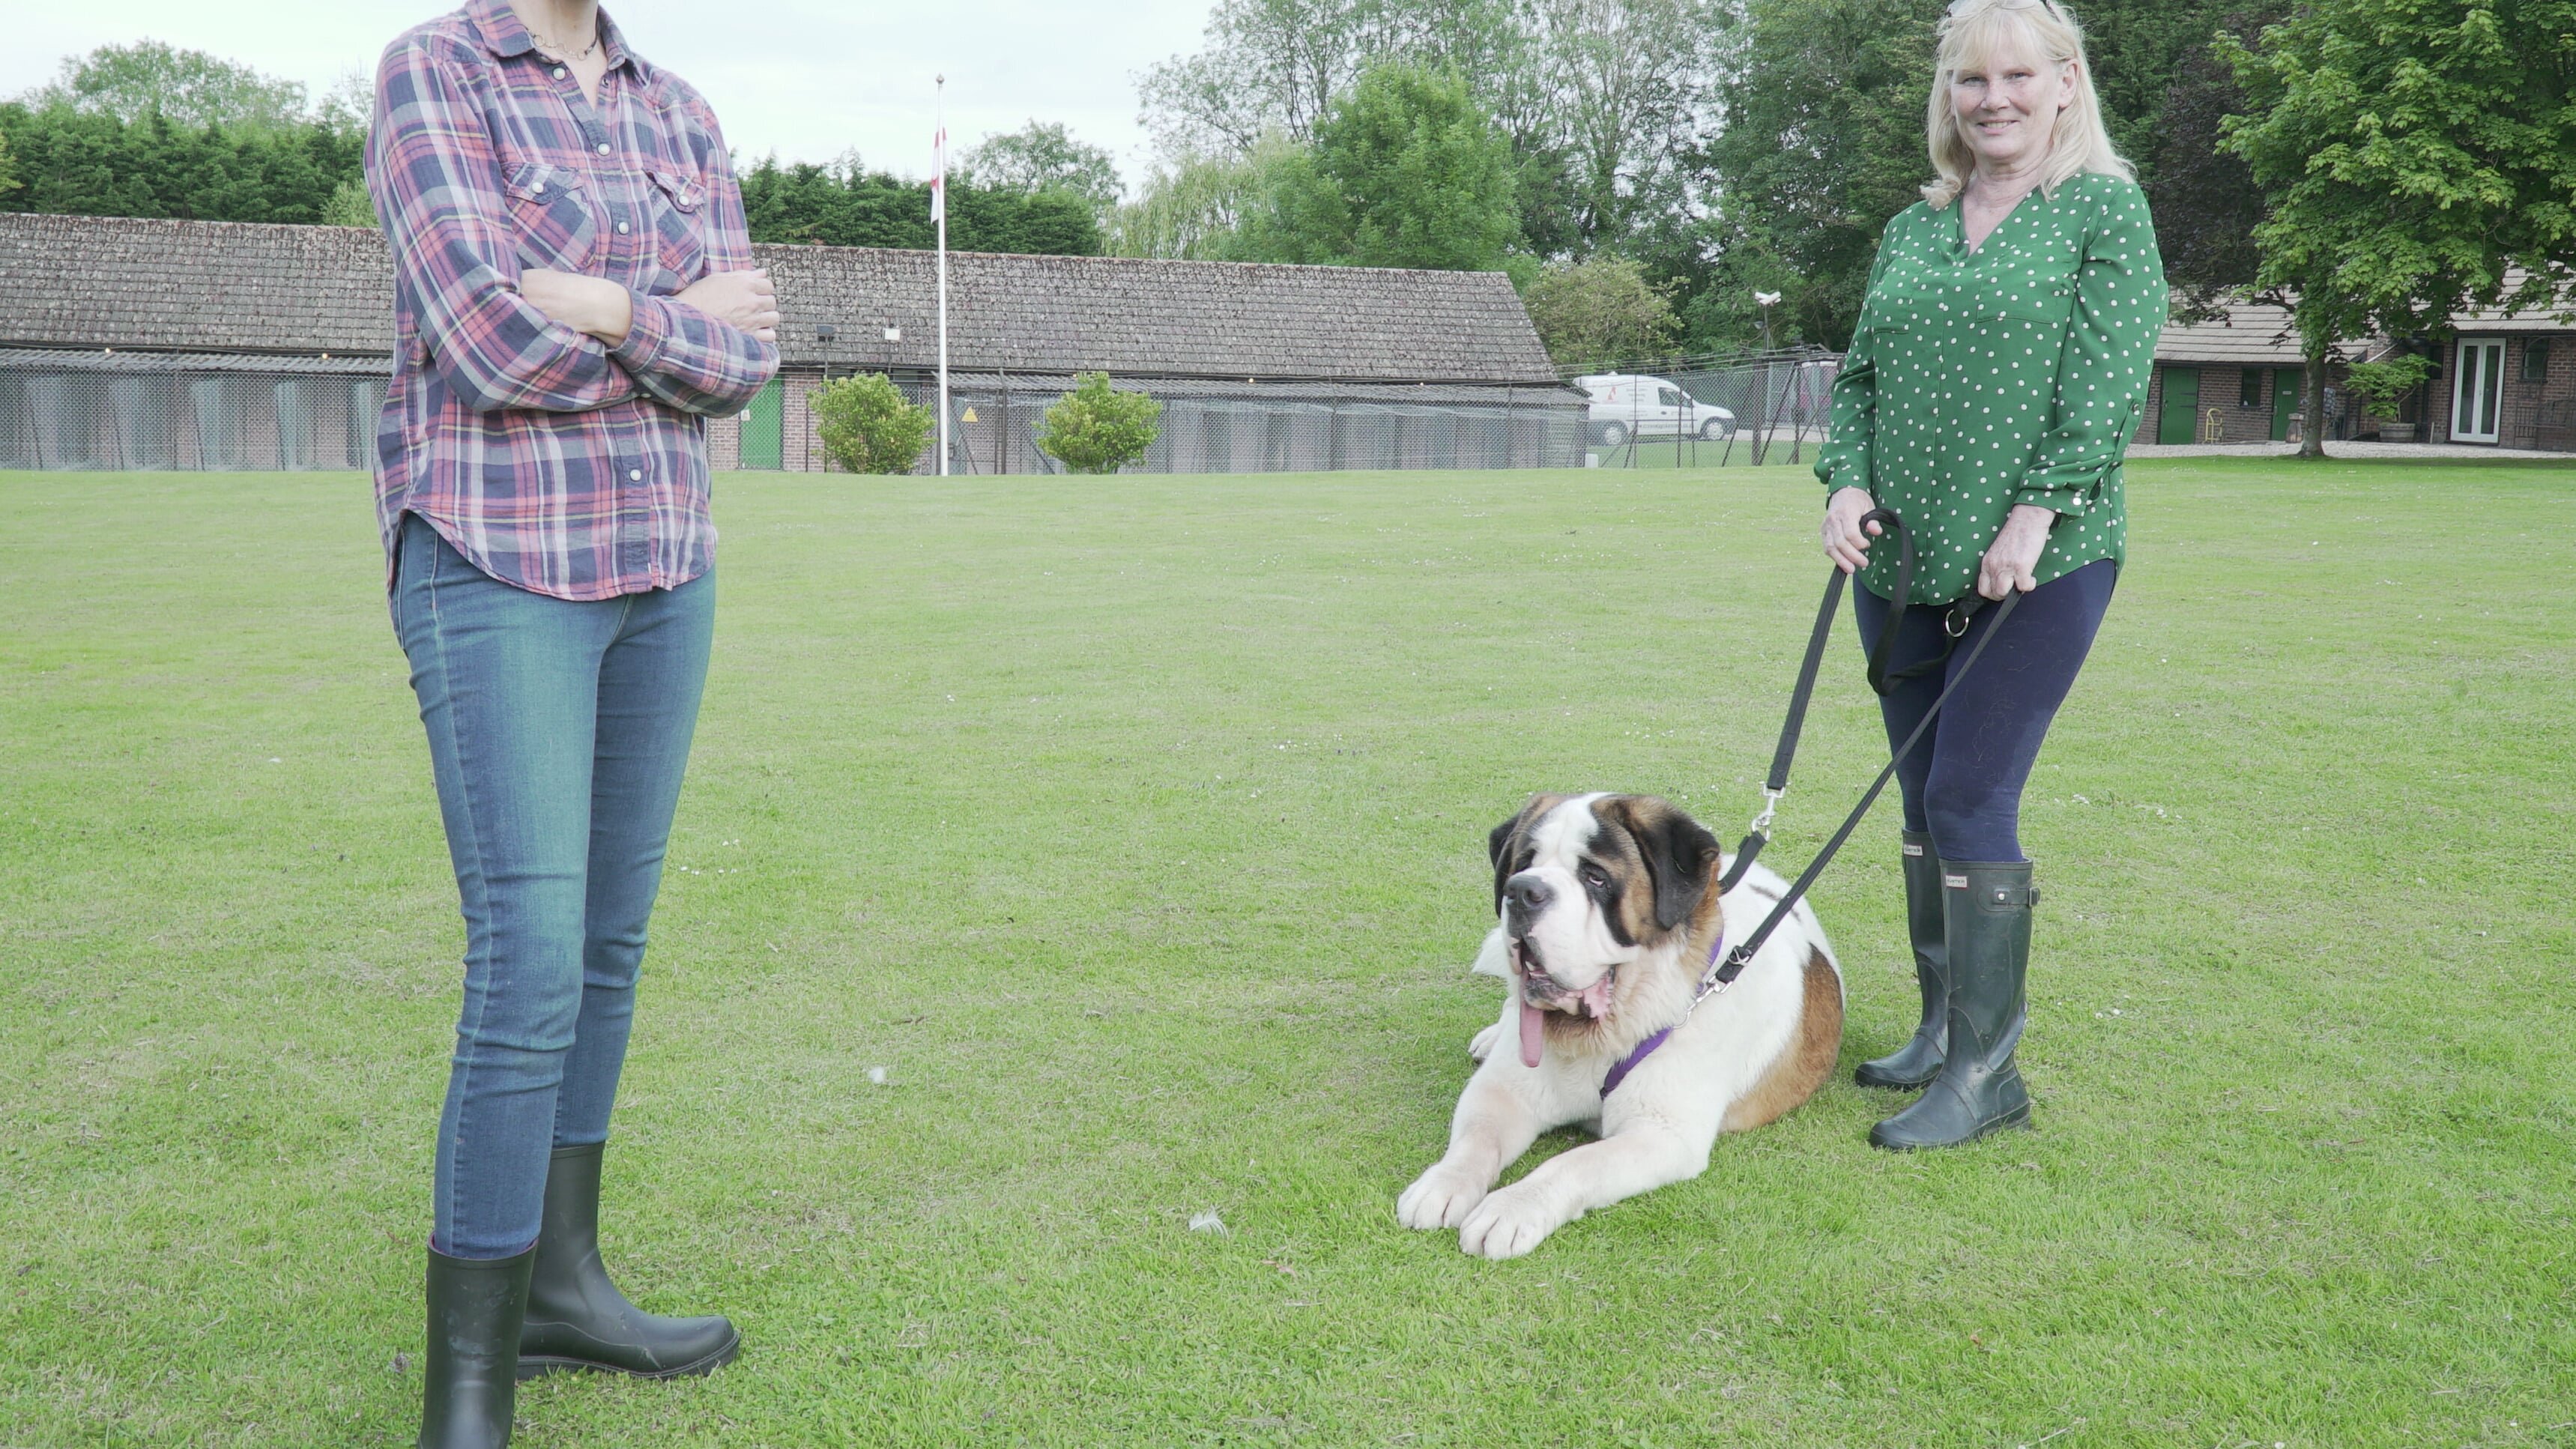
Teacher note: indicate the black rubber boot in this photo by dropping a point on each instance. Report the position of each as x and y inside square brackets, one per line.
[1919, 1060]
[1979, 1089]
[468, 1384]
[576, 1317]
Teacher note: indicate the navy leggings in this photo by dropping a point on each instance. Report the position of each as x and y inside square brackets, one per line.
[1963, 781]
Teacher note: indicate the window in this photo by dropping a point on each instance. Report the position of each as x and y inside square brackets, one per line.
[1670, 397]
[2249, 387]
[2535, 360]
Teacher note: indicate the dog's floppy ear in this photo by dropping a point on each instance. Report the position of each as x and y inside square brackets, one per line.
[1498, 845]
[1678, 851]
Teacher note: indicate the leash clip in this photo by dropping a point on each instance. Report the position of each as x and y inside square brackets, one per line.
[1770, 807]
[1955, 621]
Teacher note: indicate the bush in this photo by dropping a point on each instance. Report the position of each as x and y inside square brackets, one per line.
[2381, 384]
[1095, 430]
[869, 426]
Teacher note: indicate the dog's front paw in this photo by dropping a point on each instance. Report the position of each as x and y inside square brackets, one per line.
[1507, 1224]
[1440, 1198]
[1482, 1044]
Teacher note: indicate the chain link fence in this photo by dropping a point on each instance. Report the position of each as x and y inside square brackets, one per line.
[155, 411]
[1709, 410]
[995, 423]
[146, 411]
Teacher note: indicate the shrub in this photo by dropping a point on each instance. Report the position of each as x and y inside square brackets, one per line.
[1093, 429]
[869, 426]
[2381, 384]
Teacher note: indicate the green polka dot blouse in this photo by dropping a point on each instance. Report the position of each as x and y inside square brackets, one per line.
[2012, 374]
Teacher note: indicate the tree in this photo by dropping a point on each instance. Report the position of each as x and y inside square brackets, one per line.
[1096, 429]
[8, 172]
[869, 426]
[2204, 198]
[1823, 143]
[2412, 154]
[1044, 157]
[86, 164]
[1596, 312]
[1599, 99]
[846, 205]
[191, 87]
[1405, 170]
[350, 206]
[1193, 207]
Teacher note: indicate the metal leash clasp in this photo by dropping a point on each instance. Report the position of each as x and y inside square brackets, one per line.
[1770, 807]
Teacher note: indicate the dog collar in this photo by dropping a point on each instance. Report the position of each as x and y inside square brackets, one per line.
[1716, 977]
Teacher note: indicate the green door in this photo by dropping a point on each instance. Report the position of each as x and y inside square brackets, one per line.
[2286, 385]
[2182, 400]
[763, 428]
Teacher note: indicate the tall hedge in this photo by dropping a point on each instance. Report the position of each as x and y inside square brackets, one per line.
[808, 203]
[71, 163]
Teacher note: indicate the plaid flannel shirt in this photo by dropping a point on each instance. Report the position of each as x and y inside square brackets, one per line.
[549, 460]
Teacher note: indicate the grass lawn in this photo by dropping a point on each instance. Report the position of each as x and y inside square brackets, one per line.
[1136, 828]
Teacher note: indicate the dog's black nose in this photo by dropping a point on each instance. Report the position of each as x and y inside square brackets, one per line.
[1528, 894]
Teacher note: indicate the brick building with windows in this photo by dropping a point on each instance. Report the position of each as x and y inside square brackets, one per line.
[2509, 382]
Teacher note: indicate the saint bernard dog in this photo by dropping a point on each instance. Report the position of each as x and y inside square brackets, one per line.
[1607, 914]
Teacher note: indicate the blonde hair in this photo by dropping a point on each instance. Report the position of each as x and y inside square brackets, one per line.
[1971, 36]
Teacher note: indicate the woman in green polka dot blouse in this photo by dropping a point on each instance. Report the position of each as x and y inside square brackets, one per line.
[1998, 370]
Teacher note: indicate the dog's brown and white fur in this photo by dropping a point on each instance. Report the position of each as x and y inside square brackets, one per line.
[1605, 909]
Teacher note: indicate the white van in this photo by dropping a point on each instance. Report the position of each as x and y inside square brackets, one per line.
[1629, 405]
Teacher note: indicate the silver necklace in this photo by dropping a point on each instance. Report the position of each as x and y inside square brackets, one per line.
[561, 52]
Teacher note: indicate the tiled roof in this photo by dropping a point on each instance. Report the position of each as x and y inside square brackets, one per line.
[92, 359]
[2247, 334]
[86, 281]
[71, 281]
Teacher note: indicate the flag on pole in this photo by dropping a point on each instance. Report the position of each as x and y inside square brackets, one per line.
[939, 174]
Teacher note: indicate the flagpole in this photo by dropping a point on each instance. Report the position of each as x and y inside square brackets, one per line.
[939, 214]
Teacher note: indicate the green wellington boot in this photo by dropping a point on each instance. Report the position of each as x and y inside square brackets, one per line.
[1979, 1089]
[576, 1317]
[1919, 1060]
[468, 1384]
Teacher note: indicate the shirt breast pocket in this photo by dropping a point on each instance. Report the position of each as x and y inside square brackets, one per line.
[679, 205]
[553, 217]
[2042, 308]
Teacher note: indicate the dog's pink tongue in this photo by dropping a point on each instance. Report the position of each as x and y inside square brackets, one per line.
[1533, 1034]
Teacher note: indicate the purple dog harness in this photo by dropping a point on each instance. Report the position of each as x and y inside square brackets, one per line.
[1721, 973]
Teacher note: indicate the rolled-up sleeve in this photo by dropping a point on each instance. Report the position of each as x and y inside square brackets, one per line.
[435, 182]
[2106, 362]
[681, 355]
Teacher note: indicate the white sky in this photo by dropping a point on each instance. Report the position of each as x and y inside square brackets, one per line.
[807, 79]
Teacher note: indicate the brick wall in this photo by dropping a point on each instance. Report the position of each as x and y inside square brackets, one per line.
[2520, 410]
[2221, 396]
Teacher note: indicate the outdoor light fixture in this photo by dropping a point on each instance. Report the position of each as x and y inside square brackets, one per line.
[894, 334]
[824, 332]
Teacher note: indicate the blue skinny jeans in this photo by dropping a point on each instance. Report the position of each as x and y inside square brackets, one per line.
[558, 732]
[1963, 782]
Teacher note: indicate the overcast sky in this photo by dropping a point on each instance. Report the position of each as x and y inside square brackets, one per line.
[807, 79]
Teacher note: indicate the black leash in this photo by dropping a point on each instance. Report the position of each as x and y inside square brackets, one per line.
[1722, 974]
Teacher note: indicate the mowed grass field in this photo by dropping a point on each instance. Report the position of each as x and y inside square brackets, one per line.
[1135, 828]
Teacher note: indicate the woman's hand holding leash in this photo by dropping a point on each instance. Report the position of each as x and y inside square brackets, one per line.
[2015, 551]
[1846, 537]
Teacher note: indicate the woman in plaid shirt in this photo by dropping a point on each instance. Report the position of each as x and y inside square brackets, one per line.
[573, 297]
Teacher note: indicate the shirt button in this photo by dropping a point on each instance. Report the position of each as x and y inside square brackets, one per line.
[603, 148]
[559, 72]
[635, 475]
[621, 228]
